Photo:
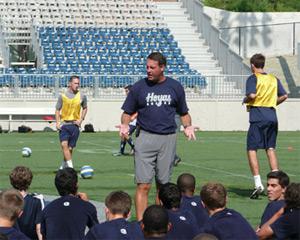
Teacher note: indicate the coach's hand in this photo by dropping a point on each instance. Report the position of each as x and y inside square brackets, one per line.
[123, 130]
[58, 126]
[189, 132]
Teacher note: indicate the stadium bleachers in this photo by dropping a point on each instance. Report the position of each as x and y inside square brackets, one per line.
[87, 37]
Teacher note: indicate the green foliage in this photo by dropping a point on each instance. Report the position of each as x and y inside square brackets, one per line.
[255, 5]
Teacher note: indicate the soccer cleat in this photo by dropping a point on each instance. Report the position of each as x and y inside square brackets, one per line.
[256, 192]
[177, 161]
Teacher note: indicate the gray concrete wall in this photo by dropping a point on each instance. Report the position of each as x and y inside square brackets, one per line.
[209, 115]
[278, 39]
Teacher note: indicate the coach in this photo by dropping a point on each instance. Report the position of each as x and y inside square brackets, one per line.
[156, 99]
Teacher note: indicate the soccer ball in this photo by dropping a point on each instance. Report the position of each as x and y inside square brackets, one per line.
[26, 152]
[86, 172]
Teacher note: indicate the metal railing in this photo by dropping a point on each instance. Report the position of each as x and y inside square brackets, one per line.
[110, 87]
[242, 38]
[230, 61]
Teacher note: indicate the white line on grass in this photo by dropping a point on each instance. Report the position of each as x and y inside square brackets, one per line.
[215, 170]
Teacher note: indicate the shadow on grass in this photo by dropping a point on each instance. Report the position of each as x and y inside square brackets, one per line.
[242, 192]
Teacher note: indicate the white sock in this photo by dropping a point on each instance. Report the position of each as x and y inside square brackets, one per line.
[257, 182]
[63, 165]
[275, 170]
[69, 163]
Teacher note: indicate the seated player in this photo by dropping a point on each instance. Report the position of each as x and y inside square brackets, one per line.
[117, 210]
[132, 127]
[155, 223]
[20, 179]
[186, 183]
[276, 186]
[11, 206]
[67, 216]
[285, 223]
[183, 223]
[223, 223]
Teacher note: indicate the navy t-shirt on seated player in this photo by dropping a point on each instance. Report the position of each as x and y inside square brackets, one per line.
[183, 225]
[258, 114]
[193, 204]
[115, 229]
[13, 233]
[272, 208]
[288, 225]
[156, 104]
[67, 218]
[229, 224]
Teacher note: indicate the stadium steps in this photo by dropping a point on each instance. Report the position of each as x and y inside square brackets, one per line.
[193, 46]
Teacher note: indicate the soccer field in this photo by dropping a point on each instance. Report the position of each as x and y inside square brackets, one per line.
[214, 156]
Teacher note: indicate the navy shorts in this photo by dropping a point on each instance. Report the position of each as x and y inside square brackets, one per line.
[69, 133]
[262, 135]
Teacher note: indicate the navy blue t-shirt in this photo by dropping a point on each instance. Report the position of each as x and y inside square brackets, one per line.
[156, 104]
[194, 205]
[229, 224]
[288, 225]
[183, 225]
[258, 114]
[30, 216]
[115, 229]
[272, 208]
[13, 234]
[67, 218]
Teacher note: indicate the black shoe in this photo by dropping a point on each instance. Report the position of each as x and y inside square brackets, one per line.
[177, 161]
[256, 192]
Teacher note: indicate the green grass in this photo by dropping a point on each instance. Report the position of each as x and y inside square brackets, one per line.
[214, 156]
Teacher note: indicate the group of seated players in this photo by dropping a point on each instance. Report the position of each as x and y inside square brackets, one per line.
[180, 215]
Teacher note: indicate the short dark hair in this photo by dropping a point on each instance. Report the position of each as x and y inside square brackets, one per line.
[157, 56]
[21, 178]
[170, 195]
[155, 220]
[11, 204]
[258, 60]
[73, 77]
[118, 202]
[292, 196]
[282, 177]
[66, 181]
[186, 183]
[213, 195]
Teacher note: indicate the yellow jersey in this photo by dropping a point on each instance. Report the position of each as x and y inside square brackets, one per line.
[71, 107]
[266, 91]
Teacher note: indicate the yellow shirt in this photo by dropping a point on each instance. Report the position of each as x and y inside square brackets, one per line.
[266, 91]
[70, 110]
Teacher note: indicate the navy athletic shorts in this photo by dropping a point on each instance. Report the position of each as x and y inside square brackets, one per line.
[69, 133]
[262, 135]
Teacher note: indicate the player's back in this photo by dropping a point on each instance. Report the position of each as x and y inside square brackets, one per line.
[67, 218]
[183, 225]
[115, 229]
[194, 205]
[229, 224]
[33, 205]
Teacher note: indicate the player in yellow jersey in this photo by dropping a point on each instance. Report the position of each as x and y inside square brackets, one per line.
[263, 93]
[69, 117]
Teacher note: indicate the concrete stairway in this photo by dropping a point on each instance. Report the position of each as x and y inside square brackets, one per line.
[193, 46]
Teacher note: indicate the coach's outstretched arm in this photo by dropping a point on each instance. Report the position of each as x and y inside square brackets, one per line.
[189, 130]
